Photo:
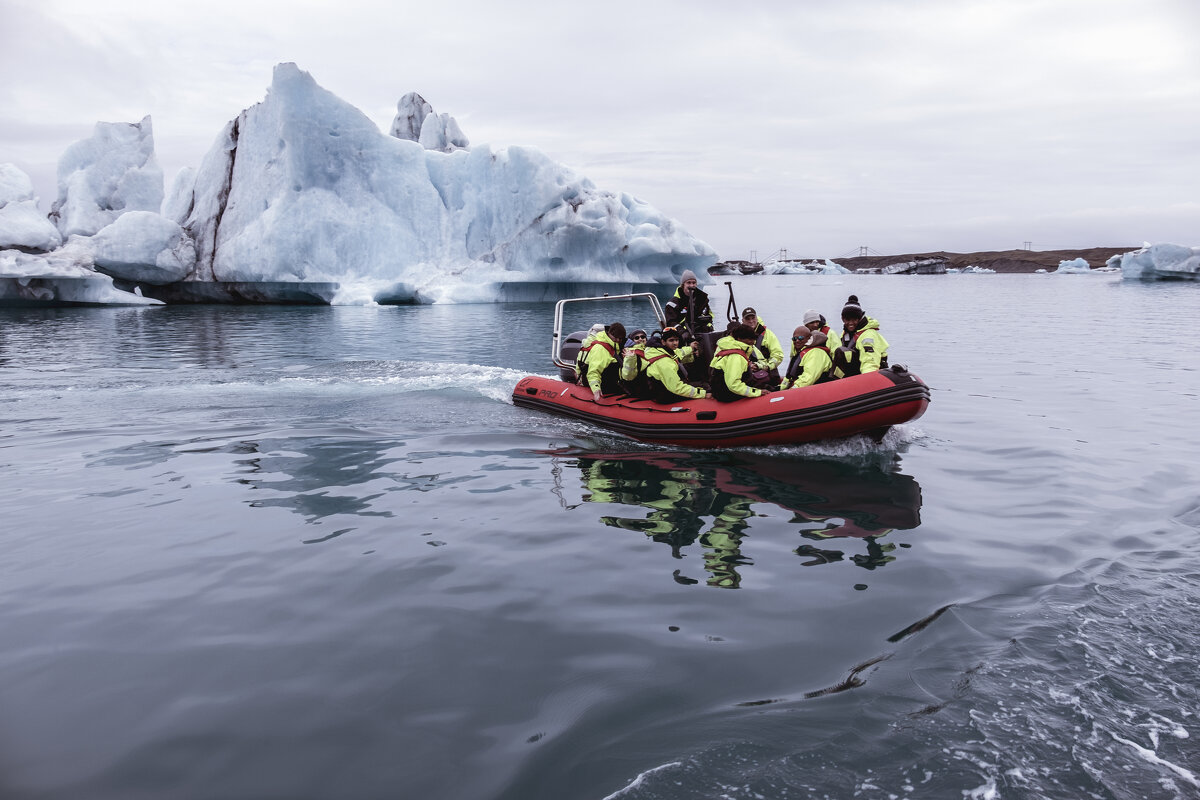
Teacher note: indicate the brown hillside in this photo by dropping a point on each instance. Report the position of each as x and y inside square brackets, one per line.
[1000, 260]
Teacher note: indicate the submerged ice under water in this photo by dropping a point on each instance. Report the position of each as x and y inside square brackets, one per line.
[315, 552]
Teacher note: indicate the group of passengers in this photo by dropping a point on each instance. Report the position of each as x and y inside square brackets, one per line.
[745, 362]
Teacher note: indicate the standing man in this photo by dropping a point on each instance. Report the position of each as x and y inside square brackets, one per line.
[689, 307]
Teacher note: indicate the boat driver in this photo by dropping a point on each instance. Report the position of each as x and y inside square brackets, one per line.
[688, 309]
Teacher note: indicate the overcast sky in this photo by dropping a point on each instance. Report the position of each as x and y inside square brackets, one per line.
[820, 127]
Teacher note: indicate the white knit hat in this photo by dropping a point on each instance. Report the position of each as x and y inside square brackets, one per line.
[812, 315]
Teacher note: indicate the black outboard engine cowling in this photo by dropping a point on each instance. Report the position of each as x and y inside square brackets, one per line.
[567, 351]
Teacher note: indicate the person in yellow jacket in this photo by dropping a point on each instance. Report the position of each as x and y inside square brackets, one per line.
[688, 309]
[582, 354]
[727, 373]
[766, 342]
[811, 359]
[863, 348]
[664, 357]
[633, 366]
[603, 364]
[815, 321]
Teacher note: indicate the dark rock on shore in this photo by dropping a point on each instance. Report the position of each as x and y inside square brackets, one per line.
[997, 260]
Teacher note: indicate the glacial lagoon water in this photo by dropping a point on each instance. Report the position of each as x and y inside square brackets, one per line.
[316, 552]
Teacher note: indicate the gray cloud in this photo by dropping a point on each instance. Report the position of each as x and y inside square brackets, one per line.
[931, 124]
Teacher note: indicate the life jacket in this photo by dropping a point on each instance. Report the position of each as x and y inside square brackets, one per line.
[581, 371]
[689, 313]
[659, 393]
[610, 379]
[581, 356]
[639, 385]
[796, 368]
[847, 360]
[716, 377]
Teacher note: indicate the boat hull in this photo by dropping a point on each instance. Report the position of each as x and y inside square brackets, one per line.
[862, 404]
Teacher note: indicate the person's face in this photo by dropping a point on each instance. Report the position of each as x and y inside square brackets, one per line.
[812, 326]
[800, 338]
[639, 339]
[851, 324]
[751, 320]
[689, 284]
[671, 342]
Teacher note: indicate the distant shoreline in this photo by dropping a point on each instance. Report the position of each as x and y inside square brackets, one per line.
[1018, 261]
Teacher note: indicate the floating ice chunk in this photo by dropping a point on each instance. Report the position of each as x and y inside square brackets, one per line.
[62, 277]
[15, 185]
[21, 223]
[145, 248]
[831, 268]
[1075, 266]
[104, 176]
[1159, 262]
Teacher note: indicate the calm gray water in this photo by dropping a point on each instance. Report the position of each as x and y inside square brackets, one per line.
[316, 552]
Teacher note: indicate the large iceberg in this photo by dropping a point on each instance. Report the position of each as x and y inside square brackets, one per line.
[303, 199]
[303, 188]
[1159, 262]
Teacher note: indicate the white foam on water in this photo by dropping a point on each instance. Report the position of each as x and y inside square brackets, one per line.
[641, 779]
[1149, 755]
[494, 383]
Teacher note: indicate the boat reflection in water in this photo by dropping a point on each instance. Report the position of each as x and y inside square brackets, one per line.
[709, 498]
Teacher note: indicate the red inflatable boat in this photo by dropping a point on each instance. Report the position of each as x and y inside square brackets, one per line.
[863, 404]
[868, 404]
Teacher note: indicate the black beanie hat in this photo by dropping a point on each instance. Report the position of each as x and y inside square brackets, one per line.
[852, 309]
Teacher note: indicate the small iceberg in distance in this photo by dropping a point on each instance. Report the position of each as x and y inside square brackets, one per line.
[1162, 261]
[1075, 266]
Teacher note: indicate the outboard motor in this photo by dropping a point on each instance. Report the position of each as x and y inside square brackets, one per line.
[567, 351]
